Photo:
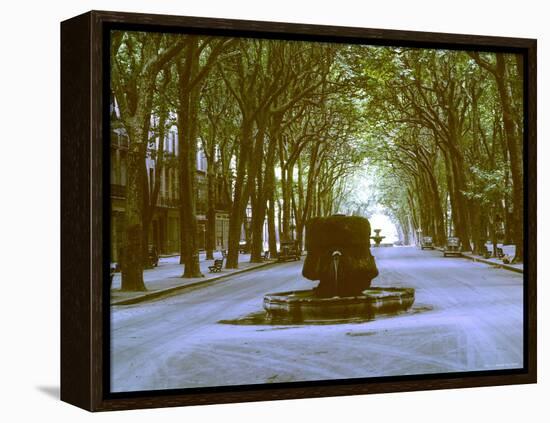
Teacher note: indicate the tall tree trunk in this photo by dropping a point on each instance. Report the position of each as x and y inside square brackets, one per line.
[279, 218]
[309, 200]
[286, 188]
[187, 130]
[271, 229]
[437, 221]
[211, 214]
[493, 228]
[135, 105]
[147, 214]
[240, 198]
[257, 228]
[478, 237]
[270, 196]
[514, 143]
[457, 186]
[513, 139]
[258, 197]
[132, 263]
[138, 135]
[152, 188]
[211, 167]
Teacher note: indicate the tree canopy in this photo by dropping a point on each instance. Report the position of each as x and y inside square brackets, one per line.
[294, 129]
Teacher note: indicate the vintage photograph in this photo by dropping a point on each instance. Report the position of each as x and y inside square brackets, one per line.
[300, 211]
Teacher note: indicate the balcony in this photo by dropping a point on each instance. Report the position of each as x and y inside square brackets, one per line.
[119, 191]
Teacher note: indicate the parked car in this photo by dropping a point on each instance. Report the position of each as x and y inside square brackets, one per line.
[244, 248]
[452, 247]
[427, 242]
[289, 251]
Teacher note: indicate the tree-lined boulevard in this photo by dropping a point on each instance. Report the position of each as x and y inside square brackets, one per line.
[294, 130]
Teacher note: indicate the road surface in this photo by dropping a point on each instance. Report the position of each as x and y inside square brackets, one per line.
[467, 316]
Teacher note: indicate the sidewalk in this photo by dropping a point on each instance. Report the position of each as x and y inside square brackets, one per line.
[509, 250]
[166, 278]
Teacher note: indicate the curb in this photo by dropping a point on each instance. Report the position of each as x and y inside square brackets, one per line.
[172, 290]
[492, 263]
[485, 261]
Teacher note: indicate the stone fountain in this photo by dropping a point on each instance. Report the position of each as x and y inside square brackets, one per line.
[339, 257]
[377, 238]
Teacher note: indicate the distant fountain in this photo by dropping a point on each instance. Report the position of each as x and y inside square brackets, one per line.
[377, 238]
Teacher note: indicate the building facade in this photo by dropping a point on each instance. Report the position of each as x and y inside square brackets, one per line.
[164, 231]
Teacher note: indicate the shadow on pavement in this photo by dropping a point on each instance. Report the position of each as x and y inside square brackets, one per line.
[50, 391]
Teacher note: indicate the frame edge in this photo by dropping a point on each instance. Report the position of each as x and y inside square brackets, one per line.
[81, 209]
[76, 235]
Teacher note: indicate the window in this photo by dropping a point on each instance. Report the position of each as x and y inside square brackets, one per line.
[201, 161]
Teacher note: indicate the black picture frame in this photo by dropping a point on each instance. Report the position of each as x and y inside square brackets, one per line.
[85, 212]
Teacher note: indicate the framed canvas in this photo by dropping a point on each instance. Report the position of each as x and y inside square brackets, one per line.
[256, 211]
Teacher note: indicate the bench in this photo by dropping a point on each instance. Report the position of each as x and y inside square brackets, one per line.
[217, 267]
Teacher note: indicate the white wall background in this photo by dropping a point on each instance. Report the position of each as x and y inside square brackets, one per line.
[29, 223]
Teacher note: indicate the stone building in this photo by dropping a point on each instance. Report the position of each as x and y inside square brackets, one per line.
[164, 232]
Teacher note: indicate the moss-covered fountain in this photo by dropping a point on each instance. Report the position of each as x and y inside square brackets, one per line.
[339, 257]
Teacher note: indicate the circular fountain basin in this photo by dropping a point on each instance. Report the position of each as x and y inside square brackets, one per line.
[304, 305]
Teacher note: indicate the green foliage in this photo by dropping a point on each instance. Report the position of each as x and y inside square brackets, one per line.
[420, 129]
[487, 186]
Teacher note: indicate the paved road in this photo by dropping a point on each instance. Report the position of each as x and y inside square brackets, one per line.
[467, 316]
